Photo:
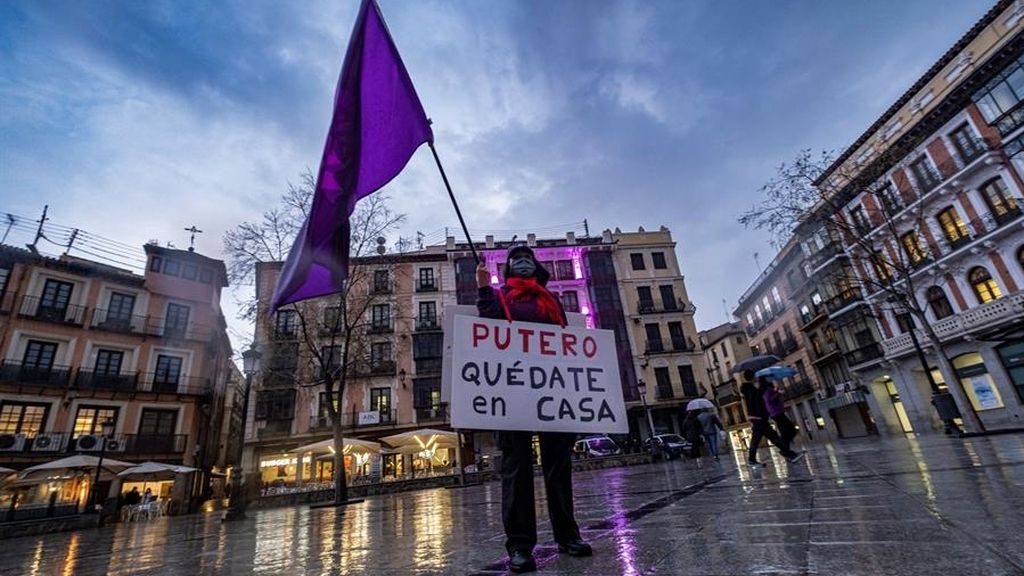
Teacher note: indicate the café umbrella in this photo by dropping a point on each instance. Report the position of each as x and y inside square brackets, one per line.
[349, 445]
[72, 465]
[154, 471]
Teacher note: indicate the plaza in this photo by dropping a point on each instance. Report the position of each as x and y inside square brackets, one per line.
[910, 505]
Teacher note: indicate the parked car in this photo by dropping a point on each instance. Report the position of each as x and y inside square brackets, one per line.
[671, 445]
[593, 446]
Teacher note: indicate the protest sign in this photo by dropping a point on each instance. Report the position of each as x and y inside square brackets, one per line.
[535, 377]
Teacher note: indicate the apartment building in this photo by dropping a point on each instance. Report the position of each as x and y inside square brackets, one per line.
[725, 346]
[82, 343]
[772, 326]
[934, 186]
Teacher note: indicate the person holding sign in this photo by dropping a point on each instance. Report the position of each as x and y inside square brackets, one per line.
[525, 298]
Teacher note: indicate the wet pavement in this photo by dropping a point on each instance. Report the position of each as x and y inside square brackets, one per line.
[929, 505]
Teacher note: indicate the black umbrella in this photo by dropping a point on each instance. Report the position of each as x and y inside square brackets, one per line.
[755, 363]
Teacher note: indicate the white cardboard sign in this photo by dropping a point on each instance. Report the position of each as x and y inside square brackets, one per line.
[534, 377]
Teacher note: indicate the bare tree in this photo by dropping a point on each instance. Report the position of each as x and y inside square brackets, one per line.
[888, 240]
[336, 332]
[267, 240]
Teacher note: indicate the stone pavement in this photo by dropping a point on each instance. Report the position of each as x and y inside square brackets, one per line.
[931, 505]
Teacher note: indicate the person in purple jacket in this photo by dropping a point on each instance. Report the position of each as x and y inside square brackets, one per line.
[524, 297]
[775, 402]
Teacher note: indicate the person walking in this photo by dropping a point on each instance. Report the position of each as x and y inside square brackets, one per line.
[524, 297]
[709, 427]
[775, 402]
[692, 432]
[757, 414]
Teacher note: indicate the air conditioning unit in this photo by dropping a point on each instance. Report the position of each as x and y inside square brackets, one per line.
[12, 442]
[115, 445]
[820, 395]
[89, 443]
[45, 442]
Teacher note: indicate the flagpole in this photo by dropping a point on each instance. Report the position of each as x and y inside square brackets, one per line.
[454, 203]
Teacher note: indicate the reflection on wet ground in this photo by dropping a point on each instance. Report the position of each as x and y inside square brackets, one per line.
[902, 506]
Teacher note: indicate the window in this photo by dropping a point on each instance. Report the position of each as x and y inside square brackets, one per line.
[177, 320]
[967, 144]
[108, 362]
[777, 298]
[664, 383]
[658, 258]
[643, 294]
[206, 276]
[654, 338]
[332, 319]
[953, 228]
[380, 281]
[905, 322]
[564, 270]
[426, 280]
[56, 297]
[380, 352]
[380, 401]
[1002, 93]
[637, 260]
[891, 200]
[668, 297]
[688, 381]
[925, 174]
[985, 288]
[427, 396]
[168, 371]
[331, 356]
[156, 264]
[570, 301]
[171, 267]
[121, 307]
[860, 221]
[999, 201]
[678, 337]
[380, 316]
[1011, 355]
[767, 306]
[285, 323]
[938, 302]
[154, 422]
[428, 314]
[39, 355]
[912, 247]
[275, 404]
[89, 419]
[22, 417]
[322, 411]
[5, 274]
[189, 271]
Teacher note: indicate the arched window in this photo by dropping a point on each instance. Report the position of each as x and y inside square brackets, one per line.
[938, 302]
[985, 288]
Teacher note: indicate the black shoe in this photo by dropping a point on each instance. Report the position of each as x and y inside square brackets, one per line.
[520, 561]
[575, 547]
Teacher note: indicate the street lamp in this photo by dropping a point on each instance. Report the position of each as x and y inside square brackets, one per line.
[236, 507]
[641, 388]
[106, 431]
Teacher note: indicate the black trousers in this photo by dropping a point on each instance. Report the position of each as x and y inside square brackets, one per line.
[787, 430]
[760, 428]
[518, 510]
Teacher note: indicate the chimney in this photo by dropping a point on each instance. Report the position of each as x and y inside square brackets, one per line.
[450, 242]
[490, 240]
[570, 237]
[531, 239]
[606, 236]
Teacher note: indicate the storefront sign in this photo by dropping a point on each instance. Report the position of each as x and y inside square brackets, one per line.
[537, 377]
[276, 462]
[369, 418]
[985, 395]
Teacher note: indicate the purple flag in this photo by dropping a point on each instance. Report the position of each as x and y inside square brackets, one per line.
[378, 123]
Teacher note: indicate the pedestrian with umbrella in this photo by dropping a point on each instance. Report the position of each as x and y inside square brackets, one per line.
[710, 425]
[757, 414]
[775, 401]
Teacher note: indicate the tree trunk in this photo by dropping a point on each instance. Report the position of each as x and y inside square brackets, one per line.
[340, 486]
[972, 424]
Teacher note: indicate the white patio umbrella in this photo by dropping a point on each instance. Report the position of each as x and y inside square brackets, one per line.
[155, 471]
[6, 471]
[350, 445]
[70, 466]
[423, 439]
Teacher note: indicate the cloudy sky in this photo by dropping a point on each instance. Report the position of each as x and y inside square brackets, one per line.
[133, 120]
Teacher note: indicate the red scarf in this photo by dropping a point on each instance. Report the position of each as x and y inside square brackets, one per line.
[525, 289]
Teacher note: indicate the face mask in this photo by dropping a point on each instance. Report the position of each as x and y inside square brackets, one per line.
[522, 266]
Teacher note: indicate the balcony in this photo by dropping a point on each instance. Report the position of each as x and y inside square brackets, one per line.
[826, 350]
[275, 429]
[649, 307]
[663, 393]
[382, 368]
[427, 323]
[1010, 121]
[830, 251]
[436, 413]
[384, 326]
[34, 307]
[789, 345]
[92, 380]
[1008, 216]
[284, 334]
[320, 424]
[14, 372]
[726, 395]
[381, 287]
[799, 388]
[1004, 310]
[155, 443]
[168, 384]
[864, 354]
[426, 285]
[842, 300]
[117, 322]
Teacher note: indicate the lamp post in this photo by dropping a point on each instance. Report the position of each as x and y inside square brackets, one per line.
[236, 507]
[106, 431]
[641, 388]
